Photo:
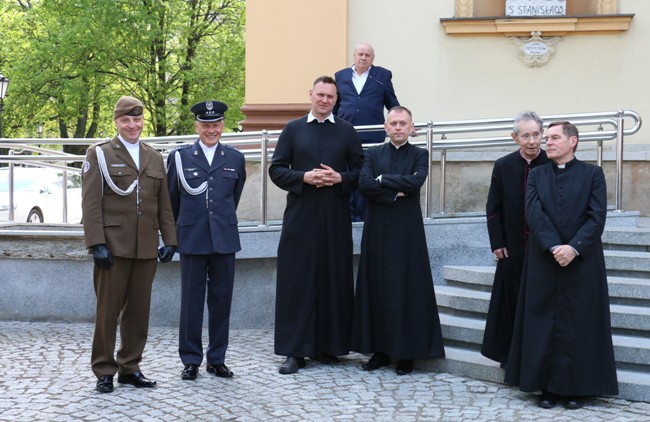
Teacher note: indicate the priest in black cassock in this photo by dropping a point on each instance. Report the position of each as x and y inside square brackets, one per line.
[395, 312]
[317, 160]
[506, 224]
[562, 340]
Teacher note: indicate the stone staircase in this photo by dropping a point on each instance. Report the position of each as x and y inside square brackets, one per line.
[463, 305]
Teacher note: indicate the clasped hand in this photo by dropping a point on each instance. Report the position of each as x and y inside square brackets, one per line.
[564, 254]
[324, 176]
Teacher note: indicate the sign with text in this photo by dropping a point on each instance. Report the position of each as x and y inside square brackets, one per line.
[535, 7]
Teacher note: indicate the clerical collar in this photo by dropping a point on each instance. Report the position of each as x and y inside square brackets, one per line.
[527, 159]
[568, 163]
[311, 118]
[398, 146]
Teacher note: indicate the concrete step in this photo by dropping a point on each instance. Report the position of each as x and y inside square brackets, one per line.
[627, 263]
[462, 330]
[622, 290]
[630, 351]
[629, 291]
[633, 318]
[470, 363]
[627, 238]
[461, 301]
[475, 277]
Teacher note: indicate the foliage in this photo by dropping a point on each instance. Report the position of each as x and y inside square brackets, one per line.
[70, 60]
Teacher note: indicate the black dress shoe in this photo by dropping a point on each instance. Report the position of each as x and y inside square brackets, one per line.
[220, 370]
[326, 359]
[376, 361]
[404, 366]
[105, 384]
[136, 379]
[190, 372]
[574, 402]
[547, 400]
[291, 365]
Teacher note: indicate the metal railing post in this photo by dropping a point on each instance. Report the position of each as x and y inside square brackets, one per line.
[263, 178]
[443, 178]
[428, 192]
[64, 181]
[619, 160]
[11, 188]
[599, 149]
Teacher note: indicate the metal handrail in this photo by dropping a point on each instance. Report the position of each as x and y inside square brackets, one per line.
[259, 146]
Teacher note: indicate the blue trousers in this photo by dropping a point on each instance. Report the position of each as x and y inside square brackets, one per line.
[200, 274]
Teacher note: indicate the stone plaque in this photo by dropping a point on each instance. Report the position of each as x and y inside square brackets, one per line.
[535, 48]
[535, 7]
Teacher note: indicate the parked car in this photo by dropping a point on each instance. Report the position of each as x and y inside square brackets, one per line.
[38, 195]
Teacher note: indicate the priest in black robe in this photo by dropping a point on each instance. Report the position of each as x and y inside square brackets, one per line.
[506, 224]
[317, 160]
[395, 312]
[562, 340]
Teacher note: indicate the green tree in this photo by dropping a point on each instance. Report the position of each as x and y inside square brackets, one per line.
[69, 61]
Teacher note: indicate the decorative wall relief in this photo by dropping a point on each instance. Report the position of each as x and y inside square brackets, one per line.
[535, 51]
[464, 9]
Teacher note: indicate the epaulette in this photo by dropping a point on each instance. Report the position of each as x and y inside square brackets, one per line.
[105, 141]
[185, 146]
[232, 148]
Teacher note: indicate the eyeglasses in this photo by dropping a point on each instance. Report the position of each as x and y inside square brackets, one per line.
[528, 136]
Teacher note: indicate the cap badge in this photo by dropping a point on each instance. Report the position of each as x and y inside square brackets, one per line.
[208, 105]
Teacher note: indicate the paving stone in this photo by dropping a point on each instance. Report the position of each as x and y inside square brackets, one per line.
[47, 376]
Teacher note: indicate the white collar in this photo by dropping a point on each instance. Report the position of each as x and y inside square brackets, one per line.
[311, 118]
[129, 145]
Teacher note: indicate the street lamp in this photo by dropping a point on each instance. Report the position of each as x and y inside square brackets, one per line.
[39, 130]
[4, 84]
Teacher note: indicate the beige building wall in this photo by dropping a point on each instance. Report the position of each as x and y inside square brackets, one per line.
[443, 77]
[440, 76]
[288, 44]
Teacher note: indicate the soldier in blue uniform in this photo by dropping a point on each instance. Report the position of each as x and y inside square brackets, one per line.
[205, 184]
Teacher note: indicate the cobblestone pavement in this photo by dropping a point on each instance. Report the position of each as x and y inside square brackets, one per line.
[46, 376]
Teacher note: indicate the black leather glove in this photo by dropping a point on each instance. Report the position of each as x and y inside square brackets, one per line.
[102, 256]
[166, 253]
